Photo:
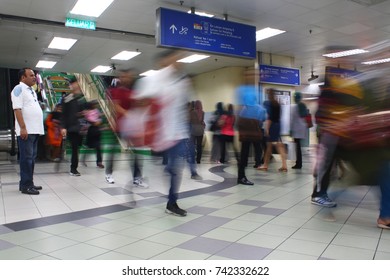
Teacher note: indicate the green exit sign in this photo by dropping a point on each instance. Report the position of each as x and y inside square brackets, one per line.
[79, 23]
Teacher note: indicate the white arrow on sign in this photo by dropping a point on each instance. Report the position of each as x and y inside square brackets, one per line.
[173, 28]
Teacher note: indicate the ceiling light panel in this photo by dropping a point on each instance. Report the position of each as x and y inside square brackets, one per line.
[267, 33]
[101, 69]
[379, 61]
[90, 8]
[203, 14]
[62, 43]
[45, 64]
[345, 53]
[125, 55]
[193, 58]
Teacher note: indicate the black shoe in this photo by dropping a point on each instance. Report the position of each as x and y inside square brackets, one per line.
[74, 173]
[256, 165]
[31, 191]
[196, 176]
[38, 188]
[297, 167]
[174, 209]
[244, 181]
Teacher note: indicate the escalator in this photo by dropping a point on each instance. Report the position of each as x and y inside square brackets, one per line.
[8, 145]
[93, 88]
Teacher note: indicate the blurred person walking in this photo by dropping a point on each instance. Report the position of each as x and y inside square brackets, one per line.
[122, 98]
[73, 105]
[216, 131]
[28, 128]
[54, 136]
[227, 123]
[92, 115]
[250, 123]
[299, 127]
[272, 132]
[171, 89]
[197, 125]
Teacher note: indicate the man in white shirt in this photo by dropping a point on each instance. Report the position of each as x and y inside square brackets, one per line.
[28, 127]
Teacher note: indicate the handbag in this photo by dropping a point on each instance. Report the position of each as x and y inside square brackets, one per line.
[249, 130]
[309, 120]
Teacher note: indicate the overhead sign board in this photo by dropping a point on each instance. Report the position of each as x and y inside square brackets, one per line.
[279, 75]
[80, 23]
[193, 32]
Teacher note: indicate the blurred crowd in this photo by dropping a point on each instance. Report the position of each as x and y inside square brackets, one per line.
[352, 124]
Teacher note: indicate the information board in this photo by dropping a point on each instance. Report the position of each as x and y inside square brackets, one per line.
[279, 75]
[193, 32]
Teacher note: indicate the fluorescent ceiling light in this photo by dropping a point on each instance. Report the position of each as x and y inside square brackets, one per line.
[193, 58]
[125, 55]
[267, 32]
[61, 43]
[101, 69]
[90, 8]
[45, 64]
[345, 53]
[379, 61]
[203, 14]
[148, 73]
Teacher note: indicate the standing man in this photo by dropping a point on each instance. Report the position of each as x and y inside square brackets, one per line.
[72, 108]
[28, 126]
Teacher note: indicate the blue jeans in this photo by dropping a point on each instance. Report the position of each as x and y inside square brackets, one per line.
[27, 153]
[191, 156]
[176, 161]
[384, 183]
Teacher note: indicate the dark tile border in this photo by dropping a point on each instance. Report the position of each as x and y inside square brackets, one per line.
[78, 215]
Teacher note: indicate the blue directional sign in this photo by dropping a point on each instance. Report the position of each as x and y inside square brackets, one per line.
[279, 75]
[193, 32]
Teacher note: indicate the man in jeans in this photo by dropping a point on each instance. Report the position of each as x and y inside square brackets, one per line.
[171, 89]
[28, 127]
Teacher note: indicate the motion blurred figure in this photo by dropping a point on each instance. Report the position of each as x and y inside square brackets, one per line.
[122, 98]
[250, 122]
[298, 127]
[72, 106]
[272, 132]
[171, 89]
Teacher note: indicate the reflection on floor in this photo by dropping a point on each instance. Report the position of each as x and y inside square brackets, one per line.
[86, 218]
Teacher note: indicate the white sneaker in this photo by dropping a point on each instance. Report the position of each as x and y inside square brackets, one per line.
[140, 183]
[324, 201]
[110, 179]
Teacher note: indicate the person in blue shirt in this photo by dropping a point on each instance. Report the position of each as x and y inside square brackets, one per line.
[250, 123]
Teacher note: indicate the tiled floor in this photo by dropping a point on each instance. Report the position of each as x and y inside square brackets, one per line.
[83, 217]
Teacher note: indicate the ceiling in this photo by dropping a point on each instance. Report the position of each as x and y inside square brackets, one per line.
[28, 26]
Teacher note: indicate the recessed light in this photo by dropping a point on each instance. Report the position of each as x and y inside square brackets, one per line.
[90, 8]
[267, 33]
[378, 61]
[46, 64]
[101, 69]
[193, 58]
[345, 53]
[203, 14]
[61, 43]
[125, 55]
